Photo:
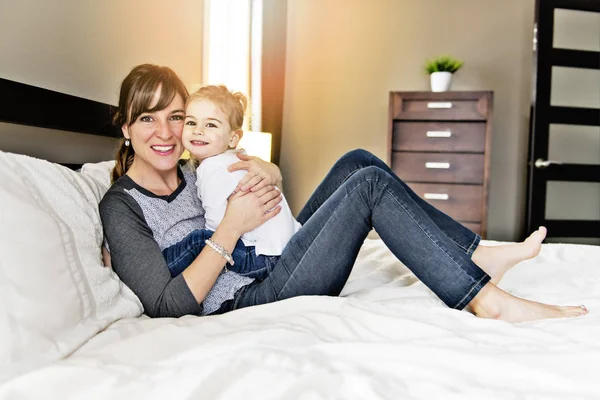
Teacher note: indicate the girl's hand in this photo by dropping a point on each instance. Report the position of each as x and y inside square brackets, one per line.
[260, 173]
[248, 210]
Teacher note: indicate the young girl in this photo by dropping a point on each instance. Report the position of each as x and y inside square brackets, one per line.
[211, 133]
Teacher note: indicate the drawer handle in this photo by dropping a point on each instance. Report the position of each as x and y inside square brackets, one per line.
[438, 104]
[437, 165]
[439, 133]
[436, 196]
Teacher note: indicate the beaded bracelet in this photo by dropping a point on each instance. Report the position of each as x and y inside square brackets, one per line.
[221, 251]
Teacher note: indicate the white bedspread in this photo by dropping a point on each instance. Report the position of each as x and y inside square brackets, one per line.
[387, 338]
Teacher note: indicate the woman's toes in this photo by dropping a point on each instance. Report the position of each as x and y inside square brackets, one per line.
[539, 235]
[574, 311]
[533, 244]
[581, 310]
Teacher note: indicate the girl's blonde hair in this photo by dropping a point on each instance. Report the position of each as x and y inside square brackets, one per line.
[233, 104]
[136, 97]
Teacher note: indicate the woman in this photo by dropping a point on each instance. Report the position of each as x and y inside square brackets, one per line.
[153, 204]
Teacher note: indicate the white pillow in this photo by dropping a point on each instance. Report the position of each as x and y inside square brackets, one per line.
[55, 294]
[99, 171]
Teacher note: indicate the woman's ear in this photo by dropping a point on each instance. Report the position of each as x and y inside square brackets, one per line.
[235, 138]
[125, 130]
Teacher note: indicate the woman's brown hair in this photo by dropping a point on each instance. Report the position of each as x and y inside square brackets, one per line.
[136, 97]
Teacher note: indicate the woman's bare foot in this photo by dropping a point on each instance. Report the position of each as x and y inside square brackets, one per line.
[496, 260]
[493, 302]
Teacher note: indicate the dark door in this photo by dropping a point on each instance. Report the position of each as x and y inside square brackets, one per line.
[563, 186]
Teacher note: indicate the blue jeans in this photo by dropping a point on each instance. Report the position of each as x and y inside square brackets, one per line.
[180, 255]
[358, 194]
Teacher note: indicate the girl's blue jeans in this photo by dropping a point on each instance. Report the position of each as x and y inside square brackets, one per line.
[359, 193]
[245, 261]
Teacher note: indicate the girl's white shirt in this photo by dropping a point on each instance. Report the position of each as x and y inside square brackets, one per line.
[216, 184]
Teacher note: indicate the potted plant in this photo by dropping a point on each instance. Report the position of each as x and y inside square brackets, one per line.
[441, 70]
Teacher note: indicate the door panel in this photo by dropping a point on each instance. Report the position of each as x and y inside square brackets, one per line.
[575, 87]
[573, 201]
[574, 144]
[576, 30]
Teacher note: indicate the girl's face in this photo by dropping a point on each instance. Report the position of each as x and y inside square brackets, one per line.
[207, 131]
[156, 137]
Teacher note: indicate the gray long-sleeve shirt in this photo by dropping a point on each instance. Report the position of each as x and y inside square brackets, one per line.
[138, 225]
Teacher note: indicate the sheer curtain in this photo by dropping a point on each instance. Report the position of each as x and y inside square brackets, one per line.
[244, 48]
[232, 50]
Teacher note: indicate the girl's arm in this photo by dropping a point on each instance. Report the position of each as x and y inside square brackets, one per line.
[260, 173]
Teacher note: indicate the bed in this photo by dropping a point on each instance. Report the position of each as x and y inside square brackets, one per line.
[70, 329]
[387, 336]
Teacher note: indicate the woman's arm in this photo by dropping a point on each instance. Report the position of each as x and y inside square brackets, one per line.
[260, 173]
[245, 211]
[139, 262]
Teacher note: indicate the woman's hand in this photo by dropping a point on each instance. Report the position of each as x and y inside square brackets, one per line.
[250, 209]
[106, 260]
[260, 173]
[245, 211]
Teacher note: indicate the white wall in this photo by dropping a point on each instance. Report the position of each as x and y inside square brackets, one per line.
[344, 56]
[85, 48]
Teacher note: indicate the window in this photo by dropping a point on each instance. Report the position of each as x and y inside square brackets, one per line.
[232, 50]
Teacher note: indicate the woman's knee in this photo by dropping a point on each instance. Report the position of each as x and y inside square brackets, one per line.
[372, 173]
[357, 155]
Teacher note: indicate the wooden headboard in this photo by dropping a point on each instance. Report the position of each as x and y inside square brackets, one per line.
[33, 106]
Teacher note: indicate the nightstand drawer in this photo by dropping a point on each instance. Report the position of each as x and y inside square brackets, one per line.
[440, 109]
[461, 202]
[439, 136]
[439, 167]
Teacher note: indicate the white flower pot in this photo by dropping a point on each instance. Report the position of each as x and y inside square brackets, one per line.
[440, 81]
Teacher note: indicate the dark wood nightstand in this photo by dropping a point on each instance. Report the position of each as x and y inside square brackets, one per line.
[440, 145]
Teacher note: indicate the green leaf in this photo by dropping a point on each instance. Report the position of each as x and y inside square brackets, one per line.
[443, 64]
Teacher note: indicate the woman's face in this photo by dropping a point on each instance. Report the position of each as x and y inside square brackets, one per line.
[156, 137]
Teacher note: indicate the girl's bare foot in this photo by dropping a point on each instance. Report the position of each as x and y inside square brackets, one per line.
[492, 302]
[496, 260]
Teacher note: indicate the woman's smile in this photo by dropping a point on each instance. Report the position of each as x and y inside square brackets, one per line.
[163, 150]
